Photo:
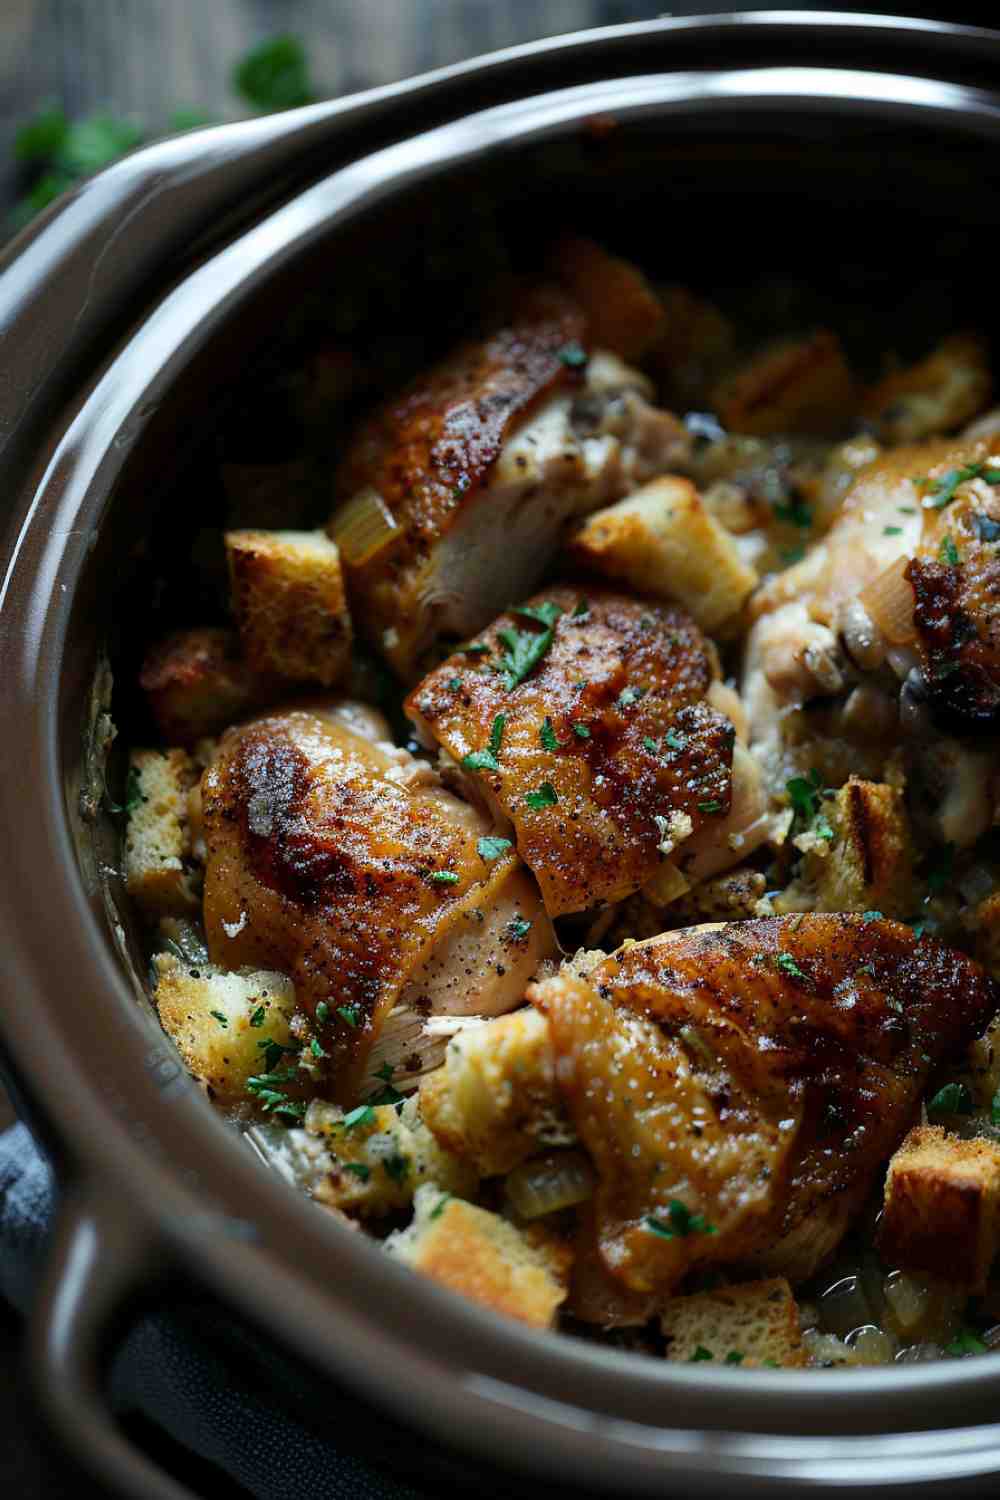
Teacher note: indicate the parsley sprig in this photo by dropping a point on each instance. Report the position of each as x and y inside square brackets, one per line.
[526, 648]
[679, 1223]
[488, 759]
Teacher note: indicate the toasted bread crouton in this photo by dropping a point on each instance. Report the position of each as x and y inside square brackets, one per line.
[750, 1325]
[371, 1164]
[196, 683]
[220, 1022]
[472, 1251]
[947, 387]
[662, 541]
[158, 837]
[801, 385]
[290, 604]
[868, 863]
[942, 1206]
[623, 312]
[494, 1102]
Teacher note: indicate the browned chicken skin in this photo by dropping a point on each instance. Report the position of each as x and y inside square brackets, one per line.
[738, 1087]
[606, 752]
[481, 460]
[342, 863]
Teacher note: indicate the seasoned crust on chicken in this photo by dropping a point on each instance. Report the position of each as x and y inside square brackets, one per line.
[478, 464]
[606, 753]
[346, 865]
[738, 1087]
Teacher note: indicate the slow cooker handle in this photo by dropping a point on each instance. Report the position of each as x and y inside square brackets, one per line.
[100, 1261]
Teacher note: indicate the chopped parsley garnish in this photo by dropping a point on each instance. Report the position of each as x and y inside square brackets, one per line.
[793, 554]
[871, 916]
[805, 794]
[674, 740]
[359, 1169]
[943, 489]
[713, 805]
[322, 1013]
[919, 927]
[796, 513]
[547, 735]
[867, 969]
[273, 1052]
[701, 1353]
[906, 510]
[582, 608]
[650, 745]
[388, 1094]
[440, 1206]
[770, 1364]
[133, 790]
[987, 530]
[348, 1013]
[487, 760]
[966, 1341]
[544, 797]
[475, 648]
[525, 648]
[257, 1019]
[455, 684]
[222, 1020]
[518, 927]
[892, 530]
[443, 877]
[734, 1357]
[396, 1167]
[316, 1049]
[363, 1114]
[628, 696]
[786, 962]
[953, 1099]
[949, 553]
[680, 1223]
[546, 613]
[573, 355]
[581, 731]
[491, 847]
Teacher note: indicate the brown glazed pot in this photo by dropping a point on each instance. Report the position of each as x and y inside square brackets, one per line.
[119, 311]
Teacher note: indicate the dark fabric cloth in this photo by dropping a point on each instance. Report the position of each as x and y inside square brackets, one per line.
[212, 1387]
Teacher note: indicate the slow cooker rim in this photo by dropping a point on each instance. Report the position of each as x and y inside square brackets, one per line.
[49, 630]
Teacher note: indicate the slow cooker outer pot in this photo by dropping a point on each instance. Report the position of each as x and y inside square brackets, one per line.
[153, 1181]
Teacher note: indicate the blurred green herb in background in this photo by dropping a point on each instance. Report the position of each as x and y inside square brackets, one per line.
[57, 152]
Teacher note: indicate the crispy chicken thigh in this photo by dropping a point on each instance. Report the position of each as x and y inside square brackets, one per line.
[344, 863]
[738, 1087]
[582, 720]
[477, 465]
[908, 576]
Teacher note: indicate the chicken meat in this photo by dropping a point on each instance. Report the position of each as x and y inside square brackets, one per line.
[341, 861]
[738, 1087]
[475, 468]
[582, 720]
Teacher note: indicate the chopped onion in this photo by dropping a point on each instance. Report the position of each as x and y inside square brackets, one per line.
[908, 1300]
[363, 527]
[667, 885]
[888, 599]
[871, 1346]
[543, 1185]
